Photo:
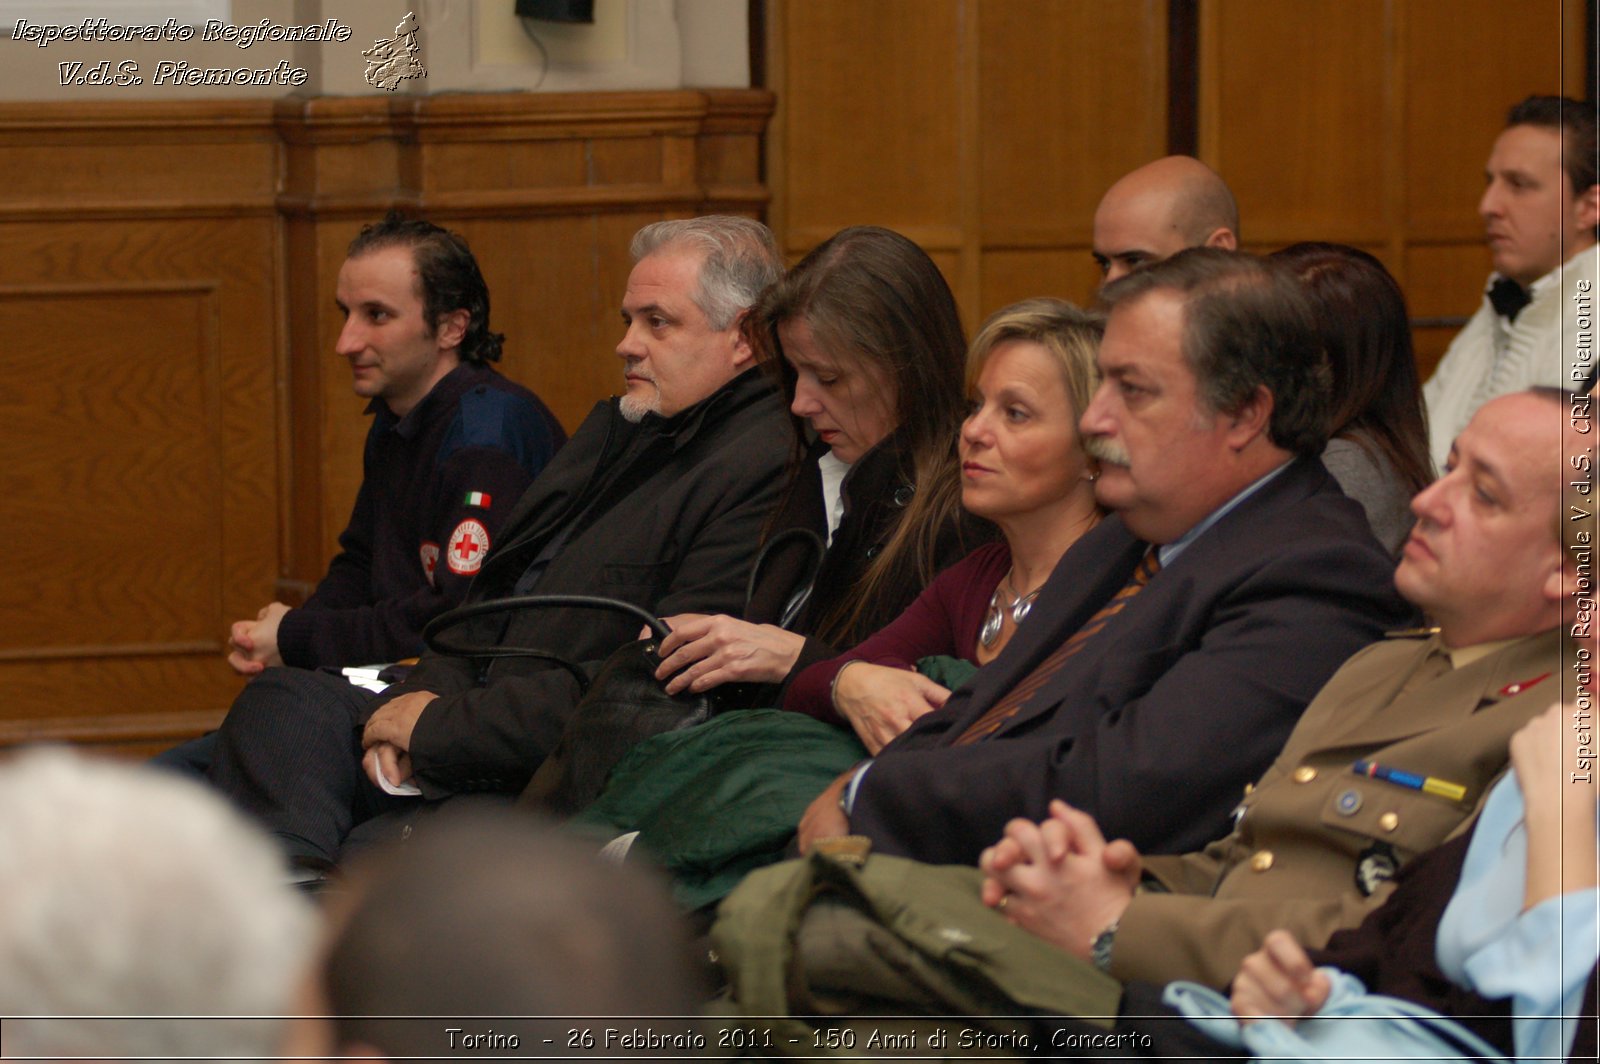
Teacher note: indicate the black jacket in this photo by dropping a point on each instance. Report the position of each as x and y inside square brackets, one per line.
[876, 492]
[666, 513]
[436, 486]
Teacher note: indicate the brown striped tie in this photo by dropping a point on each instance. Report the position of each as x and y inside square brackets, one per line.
[1018, 696]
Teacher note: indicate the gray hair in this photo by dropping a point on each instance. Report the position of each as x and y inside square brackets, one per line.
[741, 258]
[130, 894]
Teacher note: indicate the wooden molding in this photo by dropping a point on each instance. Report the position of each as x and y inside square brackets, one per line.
[248, 205]
[114, 728]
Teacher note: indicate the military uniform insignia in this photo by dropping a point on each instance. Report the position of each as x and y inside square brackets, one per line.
[1411, 633]
[1374, 867]
[479, 499]
[468, 544]
[429, 554]
[1520, 686]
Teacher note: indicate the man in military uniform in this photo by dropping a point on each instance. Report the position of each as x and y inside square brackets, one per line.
[1393, 756]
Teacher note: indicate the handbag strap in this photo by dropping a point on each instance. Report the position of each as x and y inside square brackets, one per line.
[802, 588]
[433, 633]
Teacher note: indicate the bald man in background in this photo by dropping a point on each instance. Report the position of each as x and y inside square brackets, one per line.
[1158, 210]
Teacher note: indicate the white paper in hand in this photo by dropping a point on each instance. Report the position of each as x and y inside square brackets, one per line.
[404, 790]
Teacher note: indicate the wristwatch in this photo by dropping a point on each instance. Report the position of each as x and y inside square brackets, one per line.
[1100, 948]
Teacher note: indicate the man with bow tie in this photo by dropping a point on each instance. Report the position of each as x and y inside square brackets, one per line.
[1540, 207]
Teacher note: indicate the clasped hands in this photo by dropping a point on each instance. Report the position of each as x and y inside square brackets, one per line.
[253, 645]
[1060, 879]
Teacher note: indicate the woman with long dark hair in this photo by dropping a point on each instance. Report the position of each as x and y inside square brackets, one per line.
[1378, 446]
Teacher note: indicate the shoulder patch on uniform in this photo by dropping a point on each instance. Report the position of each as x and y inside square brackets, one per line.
[429, 554]
[468, 544]
[480, 499]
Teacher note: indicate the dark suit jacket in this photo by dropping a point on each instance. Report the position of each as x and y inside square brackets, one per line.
[665, 513]
[1163, 717]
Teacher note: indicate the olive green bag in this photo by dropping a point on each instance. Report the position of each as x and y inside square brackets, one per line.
[900, 947]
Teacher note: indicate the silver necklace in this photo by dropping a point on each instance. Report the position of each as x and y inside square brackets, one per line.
[1019, 607]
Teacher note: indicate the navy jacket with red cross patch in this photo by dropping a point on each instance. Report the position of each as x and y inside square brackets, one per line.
[437, 484]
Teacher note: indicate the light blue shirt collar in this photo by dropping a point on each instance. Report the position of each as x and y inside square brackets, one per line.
[1168, 553]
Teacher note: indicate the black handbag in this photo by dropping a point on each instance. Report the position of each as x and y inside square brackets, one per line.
[620, 705]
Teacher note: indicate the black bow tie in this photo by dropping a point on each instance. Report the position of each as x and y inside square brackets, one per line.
[1507, 297]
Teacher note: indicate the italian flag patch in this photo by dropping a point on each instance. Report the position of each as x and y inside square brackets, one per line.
[477, 498]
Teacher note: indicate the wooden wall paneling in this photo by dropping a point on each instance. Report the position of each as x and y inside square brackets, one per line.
[1465, 64]
[553, 309]
[985, 131]
[526, 179]
[140, 434]
[138, 297]
[1072, 96]
[1369, 122]
[300, 414]
[967, 280]
[1294, 116]
[141, 442]
[871, 100]
[187, 445]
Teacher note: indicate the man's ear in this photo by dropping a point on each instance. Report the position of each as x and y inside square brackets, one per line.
[452, 328]
[1588, 208]
[1222, 237]
[1253, 418]
[1563, 581]
[743, 353]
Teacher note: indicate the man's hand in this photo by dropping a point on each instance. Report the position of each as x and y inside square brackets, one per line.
[823, 818]
[1060, 879]
[389, 761]
[394, 721]
[1278, 980]
[254, 644]
[881, 702]
[704, 651]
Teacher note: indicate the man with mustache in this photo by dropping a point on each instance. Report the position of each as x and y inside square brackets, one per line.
[1176, 644]
[1540, 207]
[659, 499]
[1397, 754]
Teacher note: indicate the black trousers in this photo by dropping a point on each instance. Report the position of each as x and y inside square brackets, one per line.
[289, 754]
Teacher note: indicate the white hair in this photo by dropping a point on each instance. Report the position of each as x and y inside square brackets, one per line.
[143, 898]
[741, 258]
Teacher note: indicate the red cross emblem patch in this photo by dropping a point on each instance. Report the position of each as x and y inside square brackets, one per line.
[467, 546]
[430, 559]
